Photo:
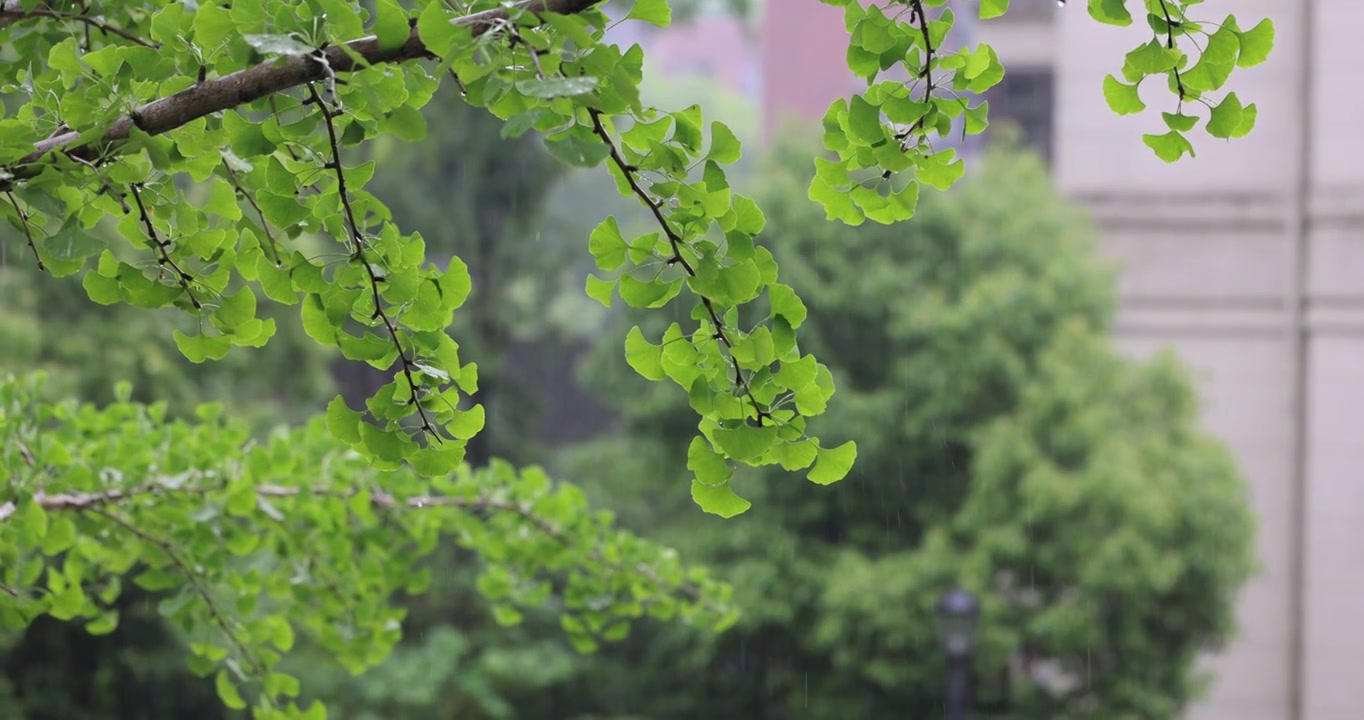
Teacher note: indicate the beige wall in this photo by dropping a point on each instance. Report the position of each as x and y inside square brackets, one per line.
[1248, 262]
[1212, 247]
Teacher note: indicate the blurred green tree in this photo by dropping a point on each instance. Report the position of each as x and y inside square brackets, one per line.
[1003, 444]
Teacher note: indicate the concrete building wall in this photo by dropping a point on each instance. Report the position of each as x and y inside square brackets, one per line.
[1249, 263]
[1208, 250]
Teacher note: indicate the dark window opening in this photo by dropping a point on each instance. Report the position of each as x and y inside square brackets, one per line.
[1025, 98]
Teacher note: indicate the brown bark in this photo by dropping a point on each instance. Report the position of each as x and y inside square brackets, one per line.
[268, 78]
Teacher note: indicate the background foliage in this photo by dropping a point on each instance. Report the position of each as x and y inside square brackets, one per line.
[247, 190]
[1004, 445]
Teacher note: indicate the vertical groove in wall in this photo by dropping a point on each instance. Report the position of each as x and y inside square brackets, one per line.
[1299, 230]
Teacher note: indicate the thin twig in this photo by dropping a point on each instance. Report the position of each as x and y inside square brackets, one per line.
[274, 110]
[516, 39]
[165, 260]
[108, 187]
[357, 239]
[358, 246]
[458, 83]
[917, 13]
[195, 582]
[676, 242]
[1170, 45]
[26, 454]
[265, 226]
[28, 233]
[12, 11]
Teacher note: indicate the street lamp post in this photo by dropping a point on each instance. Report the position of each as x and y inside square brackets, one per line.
[957, 617]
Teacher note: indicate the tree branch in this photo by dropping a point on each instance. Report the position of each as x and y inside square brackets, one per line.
[270, 77]
[250, 199]
[93, 501]
[87, 500]
[12, 11]
[192, 577]
[28, 232]
[760, 411]
[158, 246]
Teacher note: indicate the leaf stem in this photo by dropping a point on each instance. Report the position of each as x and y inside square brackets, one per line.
[159, 245]
[265, 226]
[28, 233]
[196, 583]
[358, 245]
[12, 11]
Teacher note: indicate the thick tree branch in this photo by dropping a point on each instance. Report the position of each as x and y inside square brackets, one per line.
[270, 77]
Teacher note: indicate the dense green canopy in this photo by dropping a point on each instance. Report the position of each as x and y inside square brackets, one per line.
[208, 165]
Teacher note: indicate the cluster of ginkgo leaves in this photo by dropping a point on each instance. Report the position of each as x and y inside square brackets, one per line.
[249, 541]
[884, 137]
[180, 154]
